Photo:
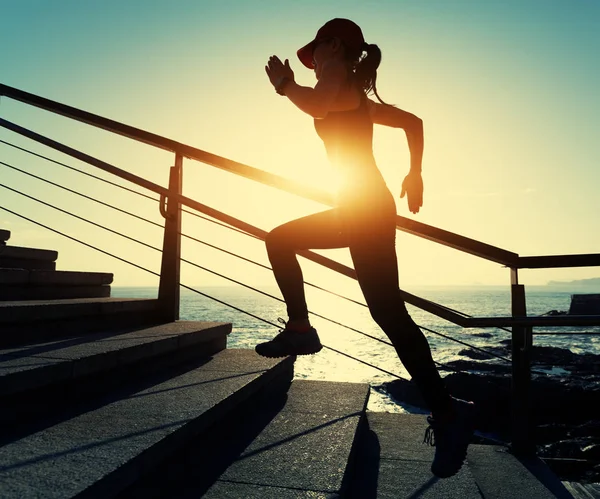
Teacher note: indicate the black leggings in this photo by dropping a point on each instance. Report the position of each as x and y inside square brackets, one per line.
[368, 229]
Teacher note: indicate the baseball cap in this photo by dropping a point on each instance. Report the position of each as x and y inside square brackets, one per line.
[344, 29]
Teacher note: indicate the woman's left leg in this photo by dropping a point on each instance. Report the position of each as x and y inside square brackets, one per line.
[372, 232]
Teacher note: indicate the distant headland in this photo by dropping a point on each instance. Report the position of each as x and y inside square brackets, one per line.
[595, 282]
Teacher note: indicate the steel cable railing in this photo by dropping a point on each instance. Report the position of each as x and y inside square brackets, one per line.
[228, 304]
[114, 184]
[429, 232]
[215, 247]
[230, 279]
[238, 256]
[446, 367]
[422, 230]
[185, 260]
[189, 288]
[490, 354]
[155, 224]
[419, 229]
[281, 183]
[448, 309]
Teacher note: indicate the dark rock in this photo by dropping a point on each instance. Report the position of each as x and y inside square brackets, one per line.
[573, 448]
[580, 364]
[483, 335]
[551, 432]
[473, 354]
[468, 365]
[402, 391]
[590, 428]
[562, 357]
[591, 452]
[574, 470]
[592, 476]
[554, 400]
[478, 355]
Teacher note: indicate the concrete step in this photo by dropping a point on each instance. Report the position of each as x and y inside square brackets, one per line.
[40, 377]
[22, 253]
[54, 278]
[27, 292]
[299, 445]
[16, 257]
[530, 476]
[4, 235]
[39, 365]
[308, 447]
[23, 263]
[100, 452]
[393, 462]
[21, 284]
[24, 322]
[44, 310]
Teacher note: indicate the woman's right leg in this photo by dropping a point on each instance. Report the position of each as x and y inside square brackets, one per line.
[319, 231]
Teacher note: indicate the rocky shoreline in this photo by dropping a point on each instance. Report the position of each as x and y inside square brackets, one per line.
[565, 403]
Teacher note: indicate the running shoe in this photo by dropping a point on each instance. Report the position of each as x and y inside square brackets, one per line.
[290, 342]
[451, 438]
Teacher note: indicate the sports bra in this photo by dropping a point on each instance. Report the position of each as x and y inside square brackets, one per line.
[350, 130]
[348, 139]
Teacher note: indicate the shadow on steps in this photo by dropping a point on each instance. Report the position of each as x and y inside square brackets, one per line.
[191, 472]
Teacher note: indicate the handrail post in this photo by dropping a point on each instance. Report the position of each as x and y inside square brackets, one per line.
[522, 339]
[168, 289]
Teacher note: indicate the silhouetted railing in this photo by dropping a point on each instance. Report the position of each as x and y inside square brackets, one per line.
[172, 200]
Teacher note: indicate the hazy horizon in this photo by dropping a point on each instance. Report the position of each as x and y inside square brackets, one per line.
[411, 285]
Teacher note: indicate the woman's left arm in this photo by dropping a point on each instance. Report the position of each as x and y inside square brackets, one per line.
[313, 101]
[383, 114]
[412, 125]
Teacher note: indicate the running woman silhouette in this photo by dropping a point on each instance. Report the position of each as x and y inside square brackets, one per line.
[363, 219]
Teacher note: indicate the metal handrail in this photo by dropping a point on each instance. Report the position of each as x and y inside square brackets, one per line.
[431, 233]
[559, 261]
[410, 226]
[435, 234]
[440, 236]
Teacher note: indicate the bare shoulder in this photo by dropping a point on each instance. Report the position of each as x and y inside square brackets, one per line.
[388, 115]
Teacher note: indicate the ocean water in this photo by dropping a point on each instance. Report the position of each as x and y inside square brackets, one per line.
[329, 365]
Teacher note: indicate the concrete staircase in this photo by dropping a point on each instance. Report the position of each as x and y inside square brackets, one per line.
[30, 274]
[100, 399]
[89, 414]
[97, 393]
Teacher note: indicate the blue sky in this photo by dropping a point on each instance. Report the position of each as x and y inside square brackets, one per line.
[508, 92]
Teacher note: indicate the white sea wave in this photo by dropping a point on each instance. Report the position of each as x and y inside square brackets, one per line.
[329, 365]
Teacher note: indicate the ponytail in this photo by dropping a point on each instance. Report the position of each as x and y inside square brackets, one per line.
[365, 70]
